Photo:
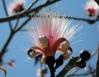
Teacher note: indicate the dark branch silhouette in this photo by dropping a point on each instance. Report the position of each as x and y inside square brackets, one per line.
[27, 12]
[97, 65]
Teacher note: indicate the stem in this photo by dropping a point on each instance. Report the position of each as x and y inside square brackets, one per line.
[83, 74]
[5, 9]
[67, 68]
[26, 13]
[97, 66]
[8, 41]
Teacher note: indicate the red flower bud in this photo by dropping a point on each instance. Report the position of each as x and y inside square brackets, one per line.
[92, 8]
[16, 6]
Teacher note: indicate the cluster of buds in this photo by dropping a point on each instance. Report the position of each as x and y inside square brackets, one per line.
[48, 52]
[78, 61]
[51, 35]
[92, 8]
[16, 6]
[81, 60]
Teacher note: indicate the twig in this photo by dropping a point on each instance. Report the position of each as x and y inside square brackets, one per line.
[96, 51]
[26, 13]
[4, 5]
[25, 10]
[32, 5]
[25, 30]
[84, 74]
[21, 26]
[17, 22]
[3, 51]
[97, 65]
[67, 68]
[36, 11]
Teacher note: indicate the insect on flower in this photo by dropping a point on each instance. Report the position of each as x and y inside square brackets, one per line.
[50, 34]
[92, 8]
[16, 6]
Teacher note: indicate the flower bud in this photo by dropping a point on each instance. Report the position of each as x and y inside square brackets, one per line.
[85, 55]
[92, 8]
[16, 6]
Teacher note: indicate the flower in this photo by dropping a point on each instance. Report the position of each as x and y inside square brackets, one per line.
[16, 6]
[92, 8]
[51, 33]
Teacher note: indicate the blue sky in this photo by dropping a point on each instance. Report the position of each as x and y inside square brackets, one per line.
[20, 43]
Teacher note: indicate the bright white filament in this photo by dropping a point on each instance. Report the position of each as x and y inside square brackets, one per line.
[54, 26]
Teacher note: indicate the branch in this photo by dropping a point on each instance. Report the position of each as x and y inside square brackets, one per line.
[17, 22]
[74, 62]
[36, 11]
[67, 68]
[96, 51]
[84, 74]
[4, 5]
[26, 10]
[32, 4]
[97, 65]
[26, 13]
[21, 26]
[3, 50]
